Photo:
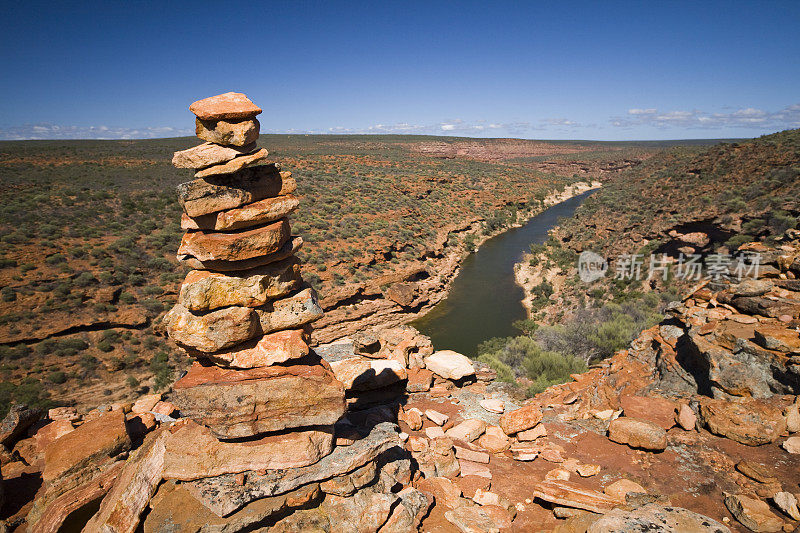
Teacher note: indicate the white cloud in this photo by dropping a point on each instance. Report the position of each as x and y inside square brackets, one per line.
[560, 122]
[448, 127]
[788, 117]
[52, 131]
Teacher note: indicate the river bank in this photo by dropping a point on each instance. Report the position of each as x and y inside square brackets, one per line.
[412, 293]
[531, 272]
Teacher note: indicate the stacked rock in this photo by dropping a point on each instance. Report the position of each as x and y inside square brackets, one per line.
[243, 311]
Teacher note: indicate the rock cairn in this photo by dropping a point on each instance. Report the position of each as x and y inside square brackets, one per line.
[243, 311]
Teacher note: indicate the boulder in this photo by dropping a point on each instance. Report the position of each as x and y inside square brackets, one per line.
[445, 491]
[236, 164]
[16, 423]
[360, 374]
[686, 418]
[620, 488]
[95, 441]
[290, 312]
[260, 212]
[752, 422]
[228, 191]
[228, 106]
[659, 411]
[778, 338]
[753, 514]
[222, 495]
[211, 332]
[449, 364]
[270, 349]
[145, 403]
[207, 154]
[791, 445]
[238, 246]
[192, 452]
[493, 405]
[468, 430]
[471, 519]
[787, 502]
[532, 434]
[572, 495]
[289, 249]
[419, 380]
[475, 456]
[637, 434]
[520, 419]
[204, 291]
[243, 403]
[654, 517]
[228, 132]
[414, 505]
[436, 417]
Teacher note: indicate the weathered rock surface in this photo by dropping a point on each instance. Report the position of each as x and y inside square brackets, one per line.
[520, 419]
[287, 250]
[468, 430]
[572, 495]
[238, 246]
[227, 106]
[236, 164]
[120, 510]
[472, 519]
[229, 326]
[228, 191]
[290, 312]
[174, 509]
[449, 364]
[203, 290]
[228, 132]
[192, 452]
[260, 212]
[752, 423]
[207, 154]
[270, 349]
[360, 373]
[754, 514]
[52, 517]
[244, 403]
[654, 517]
[16, 422]
[223, 496]
[214, 331]
[93, 442]
[637, 434]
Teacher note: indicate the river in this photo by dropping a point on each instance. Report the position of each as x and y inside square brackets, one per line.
[484, 300]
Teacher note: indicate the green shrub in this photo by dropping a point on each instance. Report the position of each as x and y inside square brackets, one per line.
[57, 377]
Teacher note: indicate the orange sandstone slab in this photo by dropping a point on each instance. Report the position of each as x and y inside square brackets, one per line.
[270, 349]
[228, 132]
[225, 106]
[520, 419]
[203, 290]
[236, 164]
[244, 403]
[212, 331]
[260, 212]
[227, 191]
[237, 246]
[287, 250]
[193, 452]
[208, 154]
[94, 441]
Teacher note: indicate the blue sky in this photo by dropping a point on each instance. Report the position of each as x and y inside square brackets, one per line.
[548, 70]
